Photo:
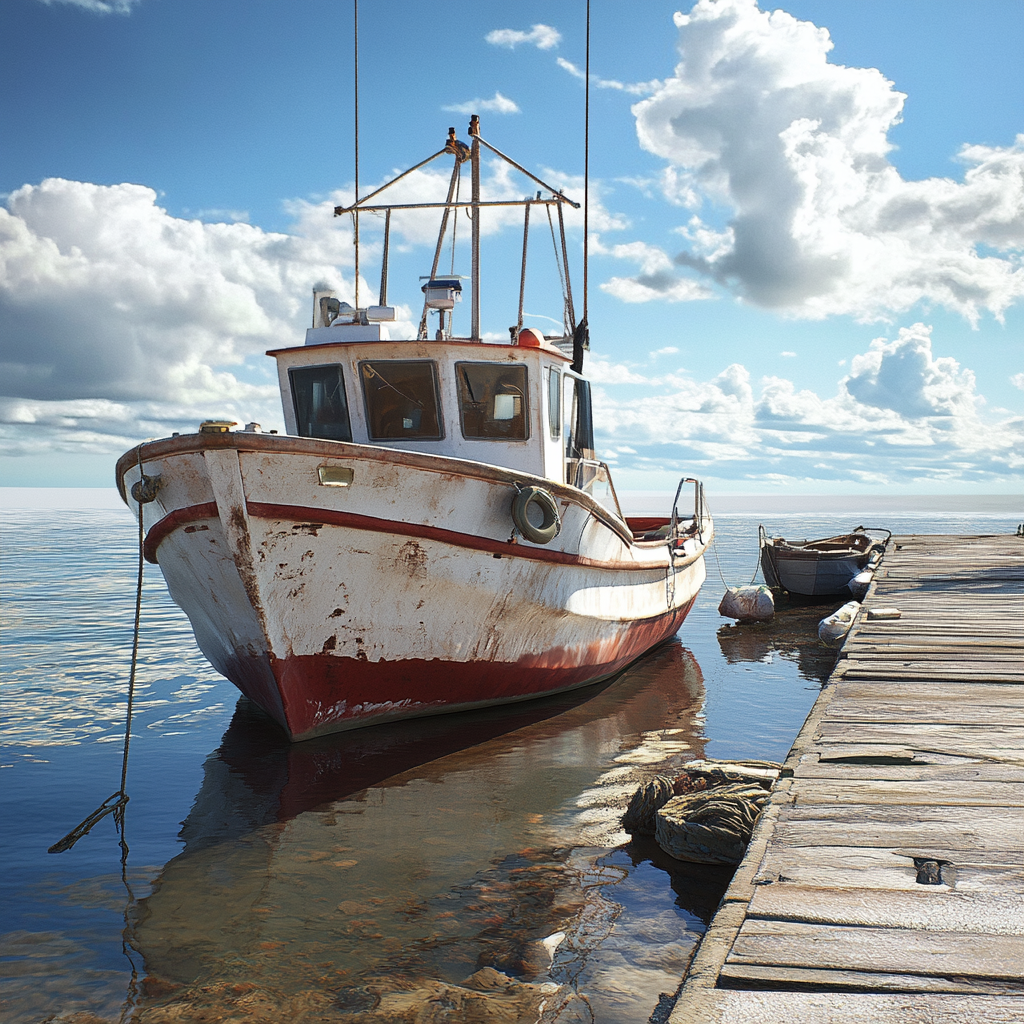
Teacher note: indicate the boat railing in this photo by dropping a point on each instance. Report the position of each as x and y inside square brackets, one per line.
[594, 478]
[701, 513]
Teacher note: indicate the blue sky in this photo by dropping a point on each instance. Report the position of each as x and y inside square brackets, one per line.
[807, 225]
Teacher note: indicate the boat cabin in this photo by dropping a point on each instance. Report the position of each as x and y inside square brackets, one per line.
[521, 406]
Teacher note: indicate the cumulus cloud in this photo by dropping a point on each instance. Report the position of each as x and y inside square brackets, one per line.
[901, 414]
[1017, 380]
[758, 120]
[499, 105]
[544, 37]
[633, 88]
[118, 320]
[657, 278]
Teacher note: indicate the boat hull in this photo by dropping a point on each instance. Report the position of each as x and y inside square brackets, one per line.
[404, 595]
[814, 576]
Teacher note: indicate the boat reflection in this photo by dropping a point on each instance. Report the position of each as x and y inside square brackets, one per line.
[424, 851]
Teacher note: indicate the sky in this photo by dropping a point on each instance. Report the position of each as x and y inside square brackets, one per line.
[806, 223]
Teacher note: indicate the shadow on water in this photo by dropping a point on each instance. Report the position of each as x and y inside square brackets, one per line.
[345, 874]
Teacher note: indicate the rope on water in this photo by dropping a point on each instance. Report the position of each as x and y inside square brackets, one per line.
[143, 491]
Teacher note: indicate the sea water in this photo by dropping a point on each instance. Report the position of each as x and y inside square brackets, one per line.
[320, 880]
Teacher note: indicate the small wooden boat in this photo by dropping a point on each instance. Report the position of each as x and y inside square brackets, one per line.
[830, 567]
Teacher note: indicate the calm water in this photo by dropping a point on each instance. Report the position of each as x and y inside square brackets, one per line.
[350, 877]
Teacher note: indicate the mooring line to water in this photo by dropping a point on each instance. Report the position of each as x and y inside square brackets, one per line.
[143, 492]
[714, 548]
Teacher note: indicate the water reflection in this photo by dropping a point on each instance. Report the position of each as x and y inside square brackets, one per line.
[792, 634]
[352, 872]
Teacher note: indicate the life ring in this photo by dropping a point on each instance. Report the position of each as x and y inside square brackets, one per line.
[542, 502]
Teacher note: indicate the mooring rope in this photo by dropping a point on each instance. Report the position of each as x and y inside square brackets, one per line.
[143, 491]
[757, 565]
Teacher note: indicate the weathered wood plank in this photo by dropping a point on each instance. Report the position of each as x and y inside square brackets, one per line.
[992, 694]
[922, 712]
[756, 976]
[971, 739]
[881, 868]
[809, 792]
[891, 950]
[927, 908]
[935, 839]
[728, 1006]
[808, 766]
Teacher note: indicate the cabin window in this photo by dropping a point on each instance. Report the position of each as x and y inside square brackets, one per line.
[493, 401]
[578, 424]
[554, 403]
[402, 401]
[321, 408]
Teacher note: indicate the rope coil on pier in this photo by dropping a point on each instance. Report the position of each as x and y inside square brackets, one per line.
[707, 814]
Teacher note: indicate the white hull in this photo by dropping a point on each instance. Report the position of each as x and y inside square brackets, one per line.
[405, 593]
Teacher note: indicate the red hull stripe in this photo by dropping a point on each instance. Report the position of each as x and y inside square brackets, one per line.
[171, 521]
[323, 693]
[331, 517]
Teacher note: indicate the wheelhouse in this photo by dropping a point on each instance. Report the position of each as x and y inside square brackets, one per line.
[522, 406]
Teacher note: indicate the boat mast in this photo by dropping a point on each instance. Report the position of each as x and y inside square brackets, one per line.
[474, 131]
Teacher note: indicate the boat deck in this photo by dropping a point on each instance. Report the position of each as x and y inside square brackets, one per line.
[885, 879]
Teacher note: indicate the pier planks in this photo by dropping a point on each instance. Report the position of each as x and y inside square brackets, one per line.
[913, 752]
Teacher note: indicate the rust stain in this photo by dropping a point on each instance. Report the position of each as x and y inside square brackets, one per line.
[329, 644]
[309, 529]
[196, 528]
[336, 613]
[413, 559]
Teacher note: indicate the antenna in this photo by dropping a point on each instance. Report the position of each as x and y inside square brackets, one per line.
[355, 214]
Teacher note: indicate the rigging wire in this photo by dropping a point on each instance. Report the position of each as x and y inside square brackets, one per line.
[355, 212]
[586, 169]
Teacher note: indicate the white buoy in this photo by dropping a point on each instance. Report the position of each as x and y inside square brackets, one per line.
[834, 627]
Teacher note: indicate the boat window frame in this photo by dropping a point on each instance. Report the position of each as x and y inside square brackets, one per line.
[438, 403]
[292, 371]
[554, 403]
[515, 367]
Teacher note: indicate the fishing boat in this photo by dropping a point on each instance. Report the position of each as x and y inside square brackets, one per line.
[830, 567]
[434, 531]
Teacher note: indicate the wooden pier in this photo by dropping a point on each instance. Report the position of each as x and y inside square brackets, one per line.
[885, 878]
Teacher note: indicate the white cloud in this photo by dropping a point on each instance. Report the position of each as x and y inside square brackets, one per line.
[228, 216]
[100, 6]
[544, 37]
[758, 120]
[499, 105]
[788, 355]
[657, 278]
[902, 414]
[1017, 380]
[633, 88]
[118, 320]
